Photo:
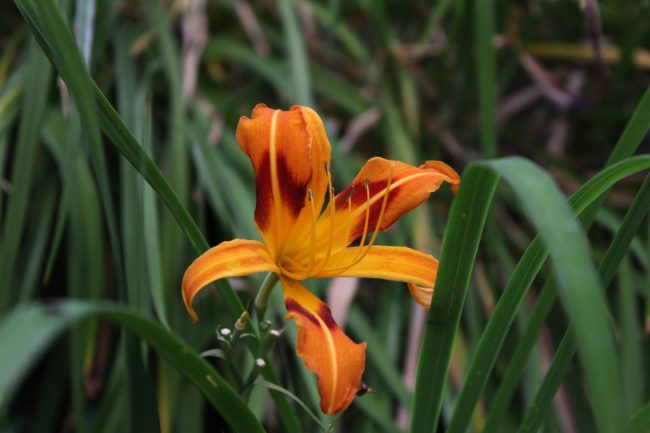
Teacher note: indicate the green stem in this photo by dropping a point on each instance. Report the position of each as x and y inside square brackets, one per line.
[262, 299]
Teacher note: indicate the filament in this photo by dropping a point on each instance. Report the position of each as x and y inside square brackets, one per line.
[312, 233]
[331, 207]
[348, 224]
[364, 249]
[293, 275]
[367, 219]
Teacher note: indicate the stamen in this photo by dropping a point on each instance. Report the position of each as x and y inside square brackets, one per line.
[348, 225]
[366, 223]
[363, 250]
[367, 220]
[380, 219]
[352, 189]
[331, 207]
[293, 275]
[312, 233]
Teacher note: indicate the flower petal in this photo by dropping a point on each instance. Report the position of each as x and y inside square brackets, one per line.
[289, 151]
[228, 259]
[409, 186]
[324, 348]
[422, 295]
[417, 269]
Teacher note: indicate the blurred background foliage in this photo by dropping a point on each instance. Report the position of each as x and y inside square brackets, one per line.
[460, 81]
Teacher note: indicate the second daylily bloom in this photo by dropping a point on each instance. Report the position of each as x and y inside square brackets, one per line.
[306, 238]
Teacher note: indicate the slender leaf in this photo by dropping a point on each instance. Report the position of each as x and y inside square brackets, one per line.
[552, 380]
[30, 329]
[612, 259]
[641, 421]
[32, 113]
[607, 269]
[296, 53]
[486, 67]
[597, 188]
[459, 247]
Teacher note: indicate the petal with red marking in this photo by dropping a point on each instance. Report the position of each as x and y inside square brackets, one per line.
[409, 186]
[289, 152]
[324, 348]
[234, 258]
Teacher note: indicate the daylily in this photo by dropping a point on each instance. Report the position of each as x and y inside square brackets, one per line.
[306, 238]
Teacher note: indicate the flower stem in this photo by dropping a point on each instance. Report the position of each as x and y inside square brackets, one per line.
[262, 299]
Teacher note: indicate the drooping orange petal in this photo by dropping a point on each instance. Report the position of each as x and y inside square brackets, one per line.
[228, 259]
[324, 348]
[404, 264]
[289, 151]
[422, 295]
[409, 186]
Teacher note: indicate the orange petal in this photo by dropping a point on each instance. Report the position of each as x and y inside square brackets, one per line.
[417, 269]
[228, 259]
[324, 348]
[422, 295]
[409, 187]
[289, 151]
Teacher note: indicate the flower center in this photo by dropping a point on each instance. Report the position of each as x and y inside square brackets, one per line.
[317, 263]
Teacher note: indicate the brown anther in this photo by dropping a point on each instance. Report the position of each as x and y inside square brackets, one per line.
[364, 389]
[240, 324]
[352, 188]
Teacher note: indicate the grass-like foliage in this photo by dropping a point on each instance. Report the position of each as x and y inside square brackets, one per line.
[119, 165]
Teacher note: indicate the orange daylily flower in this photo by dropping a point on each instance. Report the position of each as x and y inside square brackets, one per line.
[306, 238]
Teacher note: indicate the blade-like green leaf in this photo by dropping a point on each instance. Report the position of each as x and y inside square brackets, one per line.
[30, 329]
[50, 30]
[460, 244]
[590, 191]
[176, 157]
[32, 113]
[641, 421]
[297, 54]
[580, 288]
[523, 275]
[234, 51]
[607, 269]
[486, 68]
[113, 126]
[552, 381]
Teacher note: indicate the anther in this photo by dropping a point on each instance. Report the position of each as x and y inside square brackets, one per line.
[310, 194]
[352, 188]
[364, 389]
